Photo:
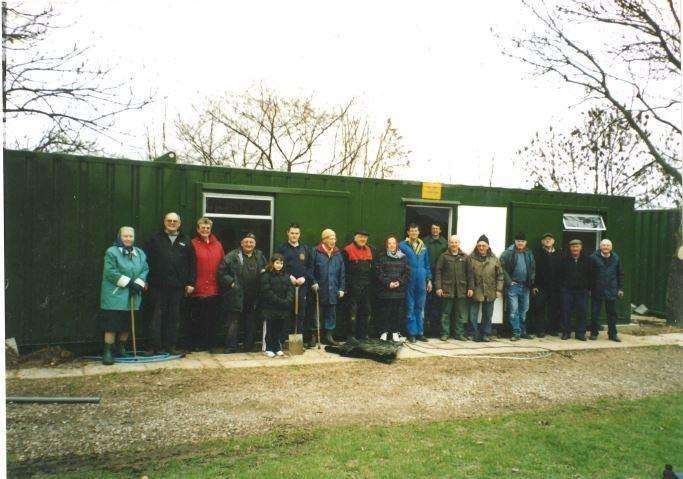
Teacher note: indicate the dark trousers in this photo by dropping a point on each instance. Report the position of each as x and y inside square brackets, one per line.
[390, 314]
[247, 319]
[274, 331]
[433, 309]
[358, 311]
[611, 309]
[547, 311]
[296, 321]
[204, 318]
[165, 317]
[574, 302]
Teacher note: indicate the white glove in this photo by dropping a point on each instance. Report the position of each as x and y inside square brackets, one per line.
[341, 294]
[315, 287]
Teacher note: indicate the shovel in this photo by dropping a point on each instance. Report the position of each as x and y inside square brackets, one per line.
[296, 341]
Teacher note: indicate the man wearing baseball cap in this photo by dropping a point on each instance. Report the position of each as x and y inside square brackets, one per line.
[576, 278]
[519, 270]
[358, 258]
[238, 277]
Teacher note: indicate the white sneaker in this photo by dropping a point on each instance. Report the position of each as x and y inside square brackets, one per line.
[279, 353]
[270, 354]
[383, 336]
[397, 338]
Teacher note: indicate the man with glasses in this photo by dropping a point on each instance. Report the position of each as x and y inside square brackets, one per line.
[172, 275]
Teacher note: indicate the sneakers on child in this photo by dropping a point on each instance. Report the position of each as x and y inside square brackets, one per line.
[279, 353]
[383, 336]
[397, 338]
[270, 354]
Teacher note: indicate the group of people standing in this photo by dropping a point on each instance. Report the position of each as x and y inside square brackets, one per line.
[244, 289]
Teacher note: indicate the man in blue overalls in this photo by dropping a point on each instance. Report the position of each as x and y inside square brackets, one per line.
[420, 282]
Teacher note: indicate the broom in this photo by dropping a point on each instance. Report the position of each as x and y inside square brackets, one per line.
[296, 341]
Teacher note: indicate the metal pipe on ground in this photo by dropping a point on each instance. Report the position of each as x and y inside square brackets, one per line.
[52, 400]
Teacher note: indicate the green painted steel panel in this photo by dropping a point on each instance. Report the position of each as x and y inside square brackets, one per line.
[62, 212]
[656, 234]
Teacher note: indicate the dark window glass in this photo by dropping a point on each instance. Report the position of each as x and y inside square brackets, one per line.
[237, 206]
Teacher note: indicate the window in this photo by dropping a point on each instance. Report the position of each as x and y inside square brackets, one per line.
[241, 206]
[580, 222]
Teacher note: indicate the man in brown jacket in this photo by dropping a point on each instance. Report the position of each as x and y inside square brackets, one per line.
[451, 286]
[484, 285]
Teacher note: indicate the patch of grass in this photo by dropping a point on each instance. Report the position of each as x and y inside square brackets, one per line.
[609, 438]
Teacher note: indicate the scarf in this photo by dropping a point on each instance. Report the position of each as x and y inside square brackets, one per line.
[417, 246]
[127, 250]
[398, 254]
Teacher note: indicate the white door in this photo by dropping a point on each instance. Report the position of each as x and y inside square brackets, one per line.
[474, 221]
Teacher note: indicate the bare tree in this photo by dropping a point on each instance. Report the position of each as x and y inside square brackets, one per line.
[602, 156]
[261, 129]
[636, 71]
[70, 98]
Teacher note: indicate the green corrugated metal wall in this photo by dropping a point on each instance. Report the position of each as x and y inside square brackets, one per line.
[62, 211]
[657, 233]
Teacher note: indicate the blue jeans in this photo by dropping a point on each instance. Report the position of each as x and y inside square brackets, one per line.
[518, 305]
[574, 301]
[483, 329]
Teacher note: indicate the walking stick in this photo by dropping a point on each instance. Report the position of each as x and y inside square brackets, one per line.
[317, 315]
[132, 324]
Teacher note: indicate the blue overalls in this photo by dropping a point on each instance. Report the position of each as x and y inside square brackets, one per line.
[417, 287]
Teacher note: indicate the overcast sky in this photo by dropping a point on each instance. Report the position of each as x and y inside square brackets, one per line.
[437, 71]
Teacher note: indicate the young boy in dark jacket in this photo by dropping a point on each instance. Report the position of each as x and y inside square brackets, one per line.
[276, 296]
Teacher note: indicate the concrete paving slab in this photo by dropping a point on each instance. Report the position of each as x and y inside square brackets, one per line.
[432, 348]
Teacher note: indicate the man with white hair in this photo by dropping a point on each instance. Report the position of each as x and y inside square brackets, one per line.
[329, 281]
[451, 285]
[608, 285]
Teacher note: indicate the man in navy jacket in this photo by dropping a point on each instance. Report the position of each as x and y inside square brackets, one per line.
[608, 285]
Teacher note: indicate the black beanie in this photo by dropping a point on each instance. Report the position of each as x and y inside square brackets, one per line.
[520, 236]
[483, 238]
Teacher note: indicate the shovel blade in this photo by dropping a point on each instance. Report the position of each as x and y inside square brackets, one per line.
[296, 344]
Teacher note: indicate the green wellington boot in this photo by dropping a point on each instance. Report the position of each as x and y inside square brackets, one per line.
[107, 356]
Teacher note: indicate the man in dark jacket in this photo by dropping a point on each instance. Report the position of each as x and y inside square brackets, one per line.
[450, 282]
[238, 277]
[576, 278]
[607, 287]
[299, 269]
[519, 270]
[172, 274]
[546, 292]
[436, 246]
[358, 262]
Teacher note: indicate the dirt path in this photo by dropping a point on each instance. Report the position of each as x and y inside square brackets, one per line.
[167, 408]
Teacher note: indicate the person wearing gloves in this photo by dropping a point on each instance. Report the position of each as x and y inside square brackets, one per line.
[329, 278]
[392, 274]
[205, 304]
[124, 277]
[420, 282]
[519, 270]
[484, 285]
[238, 277]
[450, 283]
[171, 276]
[276, 296]
[358, 256]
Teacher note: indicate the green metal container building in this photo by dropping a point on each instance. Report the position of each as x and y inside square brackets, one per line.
[657, 235]
[63, 211]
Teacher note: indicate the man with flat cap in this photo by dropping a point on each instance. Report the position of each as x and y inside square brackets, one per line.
[238, 276]
[546, 292]
[519, 270]
[576, 278]
[358, 260]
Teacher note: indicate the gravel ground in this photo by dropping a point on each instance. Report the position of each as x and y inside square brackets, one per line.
[157, 410]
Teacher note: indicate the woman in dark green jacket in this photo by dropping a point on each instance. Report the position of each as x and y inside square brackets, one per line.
[124, 277]
[276, 296]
